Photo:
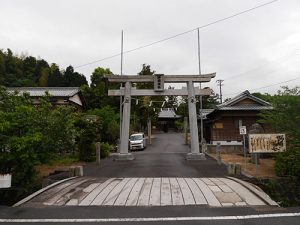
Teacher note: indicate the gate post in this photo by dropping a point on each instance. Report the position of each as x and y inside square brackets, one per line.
[149, 130]
[195, 153]
[123, 153]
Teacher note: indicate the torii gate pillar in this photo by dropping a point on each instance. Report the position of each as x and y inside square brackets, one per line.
[123, 153]
[195, 153]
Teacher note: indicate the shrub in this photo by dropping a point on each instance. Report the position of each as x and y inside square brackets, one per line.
[105, 149]
[288, 163]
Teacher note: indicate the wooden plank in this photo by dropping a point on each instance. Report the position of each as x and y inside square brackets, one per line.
[90, 198]
[145, 192]
[72, 202]
[221, 185]
[258, 192]
[122, 198]
[155, 192]
[113, 195]
[225, 188]
[214, 188]
[105, 192]
[244, 193]
[48, 194]
[188, 197]
[91, 187]
[207, 181]
[209, 195]
[198, 196]
[166, 198]
[169, 92]
[216, 181]
[62, 196]
[177, 198]
[135, 192]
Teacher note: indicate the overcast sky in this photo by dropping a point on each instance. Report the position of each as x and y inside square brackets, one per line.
[253, 50]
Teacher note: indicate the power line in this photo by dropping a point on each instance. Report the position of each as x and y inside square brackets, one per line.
[179, 34]
[285, 57]
[271, 85]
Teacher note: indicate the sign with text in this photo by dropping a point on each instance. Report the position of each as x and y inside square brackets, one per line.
[267, 143]
[243, 130]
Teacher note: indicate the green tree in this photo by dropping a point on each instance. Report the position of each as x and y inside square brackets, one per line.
[30, 135]
[73, 79]
[96, 94]
[285, 118]
[109, 121]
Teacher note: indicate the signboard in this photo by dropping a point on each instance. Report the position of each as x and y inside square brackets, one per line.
[243, 130]
[267, 143]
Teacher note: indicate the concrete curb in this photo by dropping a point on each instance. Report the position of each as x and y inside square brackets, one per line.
[41, 191]
[262, 195]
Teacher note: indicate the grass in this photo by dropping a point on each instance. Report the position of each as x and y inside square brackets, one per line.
[60, 163]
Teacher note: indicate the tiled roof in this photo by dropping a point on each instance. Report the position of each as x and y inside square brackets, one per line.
[231, 105]
[242, 96]
[245, 107]
[53, 91]
[167, 113]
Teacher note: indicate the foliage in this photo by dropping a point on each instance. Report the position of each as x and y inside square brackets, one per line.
[109, 121]
[284, 190]
[96, 94]
[285, 118]
[105, 149]
[28, 71]
[31, 135]
[146, 104]
[89, 133]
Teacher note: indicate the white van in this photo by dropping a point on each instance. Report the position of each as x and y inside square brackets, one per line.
[137, 141]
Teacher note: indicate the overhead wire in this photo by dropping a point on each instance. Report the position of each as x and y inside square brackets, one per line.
[179, 34]
[266, 86]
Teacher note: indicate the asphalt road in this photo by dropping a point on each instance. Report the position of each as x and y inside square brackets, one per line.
[164, 158]
[186, 215]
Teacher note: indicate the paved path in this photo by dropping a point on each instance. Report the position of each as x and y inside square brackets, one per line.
[214, 192]
[165, 157]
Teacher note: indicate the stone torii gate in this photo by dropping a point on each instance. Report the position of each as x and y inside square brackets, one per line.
[159, 80]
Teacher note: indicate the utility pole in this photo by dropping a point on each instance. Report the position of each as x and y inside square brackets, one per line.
[121, 98]
[220, 85]
[200, 97]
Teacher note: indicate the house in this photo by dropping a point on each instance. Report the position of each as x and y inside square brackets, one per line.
[58, 95]
[222, 124]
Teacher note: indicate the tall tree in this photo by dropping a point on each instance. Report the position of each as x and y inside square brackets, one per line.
[96, 94]
[73, 79]
[284, 118]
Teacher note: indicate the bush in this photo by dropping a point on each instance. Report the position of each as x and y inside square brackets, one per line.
[105, 149]
[288, 163]
[87, 151]
[88, 130]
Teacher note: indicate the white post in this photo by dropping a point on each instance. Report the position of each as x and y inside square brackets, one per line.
[195, 153]
[185, 128]
[98, 153]
[123, 154]
[149, 130]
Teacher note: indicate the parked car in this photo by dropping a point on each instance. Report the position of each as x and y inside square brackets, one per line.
[137, 141]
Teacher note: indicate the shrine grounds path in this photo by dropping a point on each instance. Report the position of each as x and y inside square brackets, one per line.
[165, 157]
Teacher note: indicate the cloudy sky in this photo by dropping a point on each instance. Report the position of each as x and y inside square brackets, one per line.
[253, 50]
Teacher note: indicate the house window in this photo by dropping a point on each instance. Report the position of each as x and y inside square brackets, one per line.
[218, 125]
